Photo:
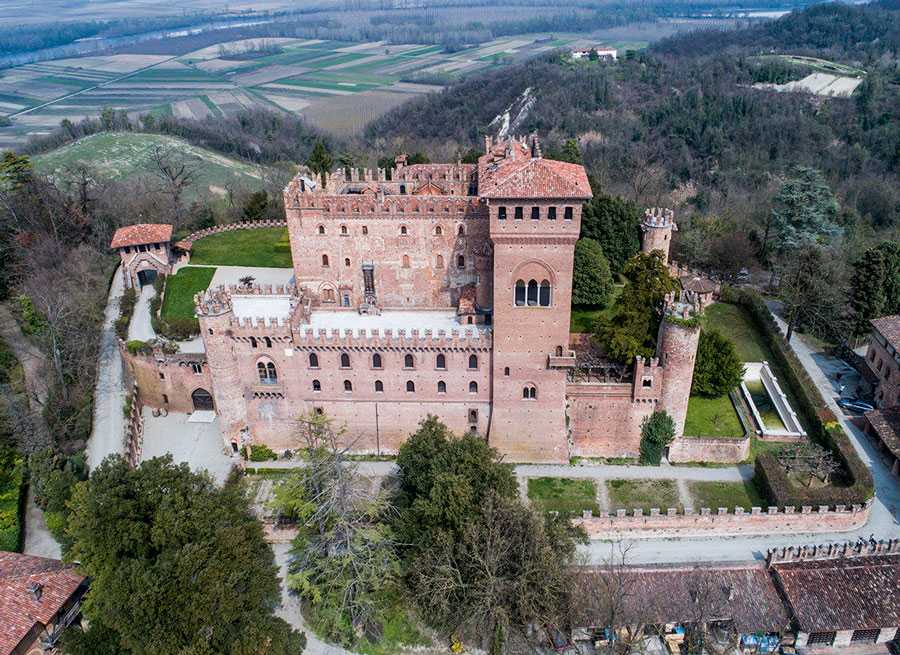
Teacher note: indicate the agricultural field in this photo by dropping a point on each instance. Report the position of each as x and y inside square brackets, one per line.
[827, 79]
[118, 155]
[337, 85]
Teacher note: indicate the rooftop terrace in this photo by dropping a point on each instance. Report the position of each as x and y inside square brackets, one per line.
[395, 320]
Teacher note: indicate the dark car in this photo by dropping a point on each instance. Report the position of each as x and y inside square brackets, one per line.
[855, 405]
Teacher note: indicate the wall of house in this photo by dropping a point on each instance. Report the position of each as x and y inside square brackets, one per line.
[887, 368]
[156, 257]
[167, 381]
[605, 419]
[722, 522]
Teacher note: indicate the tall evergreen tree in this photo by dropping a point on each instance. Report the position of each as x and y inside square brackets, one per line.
[591, 281]
[875, 285]
[805, 213]
[614, 223]
[320, 161]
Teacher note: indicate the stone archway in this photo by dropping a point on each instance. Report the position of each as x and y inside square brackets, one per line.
[202, 400]
[146, 276]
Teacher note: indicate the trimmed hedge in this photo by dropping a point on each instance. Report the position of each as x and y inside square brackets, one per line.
[126, 310]
[852, 484]
[12, 505]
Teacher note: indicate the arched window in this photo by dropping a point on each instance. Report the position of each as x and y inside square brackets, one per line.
[473, 416]
[268, 342]
[313, 360]
[439, 262]
[197, 368]
[438, 231]
[520, 293]
[529, 393]
[506, 371]
[348, 385]
[365, 230]
[267, 373]
[253, 342]
[408, 361]
[324, 260]
[317, 386]
[346, 261]
[345, 360]
[402, 189]
[473, 387]
[460, 261]
[461, 231]
[532, 293]
[327, 295]
[410, 386]
[376, 360]
[379, 386]
[559, 351]
[440, 361]
[544, 294]
[403, 230]
[442, 386]
[473, 361]
[343, 229]
[321, 229]
[405, 261]
[273, 374]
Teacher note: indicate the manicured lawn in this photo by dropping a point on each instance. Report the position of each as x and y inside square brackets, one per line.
[584, 317]
[734, 322]
[262, 247]
[712, 417]
[725, 494]
[181, 288]
[643, 494]
[567, 496]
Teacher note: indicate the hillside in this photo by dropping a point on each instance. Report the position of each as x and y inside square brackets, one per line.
[122, 155]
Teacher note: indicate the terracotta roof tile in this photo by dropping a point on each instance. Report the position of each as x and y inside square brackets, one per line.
[510, 171]
[19, 610]
[135, 235]
[697, 284]
[886, 423]
[889, 327]
[848, 593]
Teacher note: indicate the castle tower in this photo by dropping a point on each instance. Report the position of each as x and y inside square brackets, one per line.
[657, 228]
[535, 218]
[228, 387]
[677, 353]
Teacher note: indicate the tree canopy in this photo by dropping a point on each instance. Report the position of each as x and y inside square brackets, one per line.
[805, 211]
[875, 285]
[718, 368]
[657, 432]
[591, 280]
[614, 223]
[177, 564]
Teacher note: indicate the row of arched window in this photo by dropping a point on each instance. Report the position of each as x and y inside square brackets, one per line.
[532, 294]
[409, 361]
[404, 262]
[254, 342]
[404, 231]
[519, 213]
[410, 386]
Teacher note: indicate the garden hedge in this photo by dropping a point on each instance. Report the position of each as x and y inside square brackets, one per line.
[852, 484]
[12, 506]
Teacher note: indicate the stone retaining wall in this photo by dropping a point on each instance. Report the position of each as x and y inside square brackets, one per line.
[720, 522]
[231, 227]
[709, 449]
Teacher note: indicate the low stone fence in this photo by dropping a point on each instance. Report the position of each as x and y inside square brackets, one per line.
[231, 227]
[722, 522]
[719, 450]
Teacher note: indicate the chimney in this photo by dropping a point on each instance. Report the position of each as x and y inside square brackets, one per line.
[487, 143]
[36, 590]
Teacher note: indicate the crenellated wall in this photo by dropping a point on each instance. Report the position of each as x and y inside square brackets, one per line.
[167, 381]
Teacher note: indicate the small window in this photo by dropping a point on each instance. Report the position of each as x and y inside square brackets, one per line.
[210, 330]
[568, 213]
[365, 230]
[544, 295]
[253, 342]
[442, 386]
[501, 213]
[551, 213]
[440, 362]
[325, 260]
[197, 368]
[162, 376]
[379, 386]
[268, 342]
[535, 213]
[403, 231]
[461, 231]
[519, 213]
[321, 229]
[439, 261]
[376, 360]
[506, 371]
[408, 361]
[438, 231]
[473, 361]
[348, 385]
[461, 261]
[328, 295]
[345, 360]
[410, 386]
[402, 189]
[532, 293]
[313, 360]
[647, 383]
[529, 393]
[319, 411]
[405, 261]
[165, 399]
[344, 230]
[473, 387]
[520, 293]
[317, 386]
[473, 416]
[346, 261]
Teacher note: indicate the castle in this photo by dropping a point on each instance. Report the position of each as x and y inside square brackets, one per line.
[438, 289]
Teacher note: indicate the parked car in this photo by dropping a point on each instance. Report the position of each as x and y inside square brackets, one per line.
[743, 275]
[855, 405]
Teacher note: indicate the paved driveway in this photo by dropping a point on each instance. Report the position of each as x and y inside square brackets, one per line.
[200, 445]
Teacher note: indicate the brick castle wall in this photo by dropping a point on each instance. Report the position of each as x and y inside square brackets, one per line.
[719, 451]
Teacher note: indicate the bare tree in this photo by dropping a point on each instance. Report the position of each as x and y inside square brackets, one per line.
[808, 459]
[177, 173]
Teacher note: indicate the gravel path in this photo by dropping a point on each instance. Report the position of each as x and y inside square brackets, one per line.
[141, 327]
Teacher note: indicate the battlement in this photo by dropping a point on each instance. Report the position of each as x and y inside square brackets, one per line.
[658, 217]
[379, 204]
[463, 339]
[683, 309]
[258, 305]
[843, 550]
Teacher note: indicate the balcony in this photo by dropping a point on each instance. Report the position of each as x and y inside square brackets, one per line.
[566, 360]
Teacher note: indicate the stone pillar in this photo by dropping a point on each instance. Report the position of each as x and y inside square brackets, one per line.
[842, 638]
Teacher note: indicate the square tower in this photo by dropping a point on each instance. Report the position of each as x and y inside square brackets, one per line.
[534, 206]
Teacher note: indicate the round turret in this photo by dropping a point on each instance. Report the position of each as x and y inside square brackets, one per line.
[679, 336]
[657, 228]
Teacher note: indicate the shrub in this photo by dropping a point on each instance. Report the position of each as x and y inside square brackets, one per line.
[138, 347]
[719, 369]
[261, 452]
[126, 311]
[657, 431]
[32, 321]
[11, 501]
[852, 484]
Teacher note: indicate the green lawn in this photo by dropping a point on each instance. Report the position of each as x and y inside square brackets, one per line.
[267, 246]
[584, 317]
[181, 288]
[712, 417]
[567, 496]
[643, 494]
[726, 494]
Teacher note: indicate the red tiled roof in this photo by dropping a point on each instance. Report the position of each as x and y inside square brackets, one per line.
[697, 284]
[886, 423]
[889, 327]
[19, 610]
[848, 593]
[510, 171]
[136, 235]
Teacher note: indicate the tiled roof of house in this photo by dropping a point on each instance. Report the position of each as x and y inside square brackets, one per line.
[886, 422]
[889, 327]
[20, 608]
[136, 235]
[512, 170]
[743, 593]
[697, 284]
[846, 593]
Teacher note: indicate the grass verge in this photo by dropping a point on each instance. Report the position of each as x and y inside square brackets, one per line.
[712, 417]
[643, 494]
[567, 496]
[181, 289]
[725, 494]
[254, 247]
